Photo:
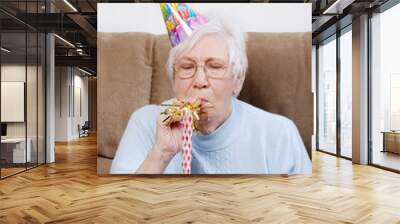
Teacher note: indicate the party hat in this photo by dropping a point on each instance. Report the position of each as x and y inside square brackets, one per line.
[181, 20]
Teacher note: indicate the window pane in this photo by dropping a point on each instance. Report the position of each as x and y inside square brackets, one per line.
[41, 98]
[31, 97]
[346, 94]
[386, 88]
[327, 97]
[14, 153]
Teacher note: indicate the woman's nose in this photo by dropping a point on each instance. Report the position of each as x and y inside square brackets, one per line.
[200, 79]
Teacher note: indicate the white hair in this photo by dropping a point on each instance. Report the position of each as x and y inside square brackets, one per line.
[235, 39]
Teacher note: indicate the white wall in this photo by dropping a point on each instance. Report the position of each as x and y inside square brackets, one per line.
[15, 73]
[80, 83]
[12, 101]
[68, 81]
[251, 17]
[62, 81]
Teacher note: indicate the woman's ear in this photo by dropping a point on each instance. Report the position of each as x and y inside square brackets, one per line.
[238, 84]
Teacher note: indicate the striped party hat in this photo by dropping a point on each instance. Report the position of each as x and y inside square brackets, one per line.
[181, 20]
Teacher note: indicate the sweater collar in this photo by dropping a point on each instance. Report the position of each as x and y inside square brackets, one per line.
[224, 135]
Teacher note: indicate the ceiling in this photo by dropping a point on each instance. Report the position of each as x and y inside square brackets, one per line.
[76, 21]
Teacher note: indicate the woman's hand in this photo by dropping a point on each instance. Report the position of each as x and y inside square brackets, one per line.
[168, 143]
[168, 138]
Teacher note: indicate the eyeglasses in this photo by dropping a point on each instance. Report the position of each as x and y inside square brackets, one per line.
[213, 69]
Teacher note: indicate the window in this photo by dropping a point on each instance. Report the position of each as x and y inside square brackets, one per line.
[385, 89]
[327, 96]
[22, 79]
[333, 137]
[346, 93]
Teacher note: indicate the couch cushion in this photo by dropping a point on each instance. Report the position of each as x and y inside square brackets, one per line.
[124, 81]
[279, 77]
[161, 89]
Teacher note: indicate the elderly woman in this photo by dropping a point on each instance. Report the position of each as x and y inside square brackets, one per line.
[234, 137]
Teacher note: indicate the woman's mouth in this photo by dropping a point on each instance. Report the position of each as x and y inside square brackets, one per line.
[203, 100]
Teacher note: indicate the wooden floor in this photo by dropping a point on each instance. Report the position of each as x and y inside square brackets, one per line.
[69, 191]
[10, 171]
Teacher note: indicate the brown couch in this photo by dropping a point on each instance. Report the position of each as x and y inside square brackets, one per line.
[131, 74]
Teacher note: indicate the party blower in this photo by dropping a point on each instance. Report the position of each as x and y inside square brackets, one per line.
[181, 20]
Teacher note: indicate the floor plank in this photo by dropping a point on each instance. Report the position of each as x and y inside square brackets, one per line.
[69, 191]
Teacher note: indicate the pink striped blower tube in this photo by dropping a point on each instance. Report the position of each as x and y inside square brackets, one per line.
[187, 131]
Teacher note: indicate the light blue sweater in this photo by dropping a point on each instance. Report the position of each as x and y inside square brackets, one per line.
[250, 141]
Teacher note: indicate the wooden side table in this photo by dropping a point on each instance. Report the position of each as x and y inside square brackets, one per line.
[391, 141]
